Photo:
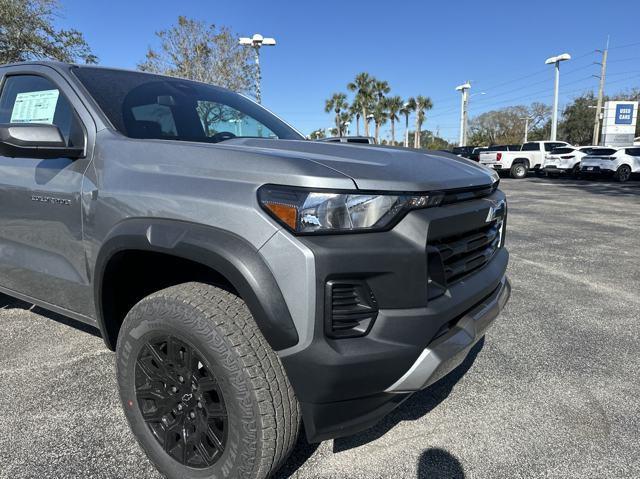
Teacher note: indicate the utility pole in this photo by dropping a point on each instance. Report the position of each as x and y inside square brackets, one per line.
[603, 71]
[526, 128]
[464, 89]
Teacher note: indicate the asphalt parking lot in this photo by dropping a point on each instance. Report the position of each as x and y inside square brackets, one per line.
[554, 390]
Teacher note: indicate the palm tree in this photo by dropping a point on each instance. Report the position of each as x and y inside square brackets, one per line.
[380, 89]
[423, 103]
[362, 86]
[379, 117]
[337, 103]
[356, 111]
[407, 108]
[393, 106]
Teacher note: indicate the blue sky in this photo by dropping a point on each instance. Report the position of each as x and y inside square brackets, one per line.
[419, 47]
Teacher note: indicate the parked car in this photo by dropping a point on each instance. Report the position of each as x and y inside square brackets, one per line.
[463, 151]
[369, 140]
[248, 279]
[619, 163]
[566, 160]
[519, 163]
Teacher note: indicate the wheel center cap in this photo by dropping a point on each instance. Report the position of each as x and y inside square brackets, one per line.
[187, 397]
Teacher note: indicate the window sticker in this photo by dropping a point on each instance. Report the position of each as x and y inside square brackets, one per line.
[35, 107]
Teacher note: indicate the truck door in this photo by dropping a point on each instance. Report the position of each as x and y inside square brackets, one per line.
[42, 256]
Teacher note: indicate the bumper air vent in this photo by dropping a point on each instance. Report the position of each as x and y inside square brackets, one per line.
[350, 309]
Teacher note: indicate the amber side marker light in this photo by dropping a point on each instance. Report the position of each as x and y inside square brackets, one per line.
[285, 213]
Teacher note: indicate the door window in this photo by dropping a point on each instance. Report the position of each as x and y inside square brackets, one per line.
[35, 99]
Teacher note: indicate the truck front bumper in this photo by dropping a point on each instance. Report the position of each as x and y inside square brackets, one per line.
[442, 355]
[446, 352]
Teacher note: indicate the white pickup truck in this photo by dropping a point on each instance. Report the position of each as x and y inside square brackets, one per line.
[518, 163]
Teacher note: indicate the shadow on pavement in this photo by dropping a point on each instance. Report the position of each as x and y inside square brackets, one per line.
[439, 464]
[7, 302]
[596, 186]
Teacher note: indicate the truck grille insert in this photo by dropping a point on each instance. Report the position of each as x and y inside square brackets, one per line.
[351, 308]
[463, 254]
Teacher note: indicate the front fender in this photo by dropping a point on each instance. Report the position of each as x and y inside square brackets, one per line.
[228, 254]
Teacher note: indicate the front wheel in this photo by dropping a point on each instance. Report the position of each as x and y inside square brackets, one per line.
[203, 392]
[518, 171]
[623, 174]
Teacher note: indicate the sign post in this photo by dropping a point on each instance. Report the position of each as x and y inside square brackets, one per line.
[619, 123]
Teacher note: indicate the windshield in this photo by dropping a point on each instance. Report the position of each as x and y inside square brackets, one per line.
[140, 105]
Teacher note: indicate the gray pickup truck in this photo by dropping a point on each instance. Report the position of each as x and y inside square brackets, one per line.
[249, 280]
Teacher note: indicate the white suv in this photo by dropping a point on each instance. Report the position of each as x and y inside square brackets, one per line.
[621, 163]
[566, 160]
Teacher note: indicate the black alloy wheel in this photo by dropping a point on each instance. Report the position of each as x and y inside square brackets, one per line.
[624, 173]
[181, 402]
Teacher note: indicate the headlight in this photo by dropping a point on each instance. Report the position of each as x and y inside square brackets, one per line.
[306, 211]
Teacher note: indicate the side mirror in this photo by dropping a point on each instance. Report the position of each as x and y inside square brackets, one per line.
[35, 140]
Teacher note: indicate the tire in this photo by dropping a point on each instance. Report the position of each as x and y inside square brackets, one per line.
[623, 173]
[575, 171]
[518, 171]
[240, 394]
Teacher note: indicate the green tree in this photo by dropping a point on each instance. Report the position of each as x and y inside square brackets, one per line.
[338, 104]
[423, 103]
[394, 106]
[362, 85]
[506, 126]
[380, 116]
[356, 111]
[576, 126]
[203, 52]
[27, 32]
[317, 134]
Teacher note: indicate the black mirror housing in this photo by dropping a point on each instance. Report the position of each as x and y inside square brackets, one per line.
[35, 140]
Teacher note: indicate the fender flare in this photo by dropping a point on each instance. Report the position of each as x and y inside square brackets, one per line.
[227, 253]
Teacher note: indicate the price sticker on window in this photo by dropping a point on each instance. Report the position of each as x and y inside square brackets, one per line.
[35, 107]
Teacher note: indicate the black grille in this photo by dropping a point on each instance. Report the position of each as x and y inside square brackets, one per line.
[351, 308]
[464, 253]
[465, 194]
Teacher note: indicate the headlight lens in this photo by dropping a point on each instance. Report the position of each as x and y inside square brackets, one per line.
[306, 211]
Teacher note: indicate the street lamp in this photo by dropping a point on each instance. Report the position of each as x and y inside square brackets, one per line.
[464, 89]
[256, 42]
[554, 118]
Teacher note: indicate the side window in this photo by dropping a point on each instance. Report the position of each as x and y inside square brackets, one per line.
[551, 146]
[633, 151]
[154, 116]
[218, 118]
[531, 147]
[34, 99]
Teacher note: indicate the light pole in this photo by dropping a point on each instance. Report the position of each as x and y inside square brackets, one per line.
[464, 89]
[526, 128]
[256, 42]
[554, 118]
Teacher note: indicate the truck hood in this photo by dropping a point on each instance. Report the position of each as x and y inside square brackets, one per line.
[378, 167]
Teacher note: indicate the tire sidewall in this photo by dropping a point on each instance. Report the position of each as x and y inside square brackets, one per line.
[519, 171]
[157, 317]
